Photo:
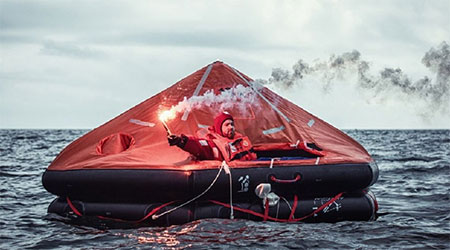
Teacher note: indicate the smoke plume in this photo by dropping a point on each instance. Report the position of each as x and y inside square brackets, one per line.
[433, 90]
[239, 98]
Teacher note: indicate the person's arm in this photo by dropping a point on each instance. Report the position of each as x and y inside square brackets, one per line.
[200, 148]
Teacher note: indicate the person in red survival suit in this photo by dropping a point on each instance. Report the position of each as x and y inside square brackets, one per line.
[221, 143]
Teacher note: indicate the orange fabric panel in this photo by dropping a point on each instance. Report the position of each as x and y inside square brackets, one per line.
[137, 146]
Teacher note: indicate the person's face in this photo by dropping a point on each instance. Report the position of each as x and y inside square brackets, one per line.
[228, 129]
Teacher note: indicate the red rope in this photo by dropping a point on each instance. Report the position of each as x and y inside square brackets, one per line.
[248, 211]
[140, 220]
[266, 210]
[263, 216]
[291, 216]
[156, 209]
[320, 208]
[74, 209]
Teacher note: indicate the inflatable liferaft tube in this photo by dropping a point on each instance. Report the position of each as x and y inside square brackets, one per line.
[157, 185]
[355, 206]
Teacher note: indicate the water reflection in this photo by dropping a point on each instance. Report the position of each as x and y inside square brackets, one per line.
[168, 237]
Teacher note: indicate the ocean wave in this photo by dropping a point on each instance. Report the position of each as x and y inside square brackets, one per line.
[414, 158]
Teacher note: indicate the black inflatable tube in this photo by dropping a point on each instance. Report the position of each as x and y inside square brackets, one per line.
[141, 186]
[356, 206]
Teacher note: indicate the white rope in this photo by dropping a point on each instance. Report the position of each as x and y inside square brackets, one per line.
[231, 197]
[228, 172]
[156, 216]
[272, 160]
[278, 209]
[289, 205]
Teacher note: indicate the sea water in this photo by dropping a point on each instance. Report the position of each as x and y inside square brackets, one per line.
[412, 191]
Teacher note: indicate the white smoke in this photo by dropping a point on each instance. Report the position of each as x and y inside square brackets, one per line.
[236, 98]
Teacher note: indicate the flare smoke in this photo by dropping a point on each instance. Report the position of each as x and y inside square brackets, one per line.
[435, 90]
[238, 98]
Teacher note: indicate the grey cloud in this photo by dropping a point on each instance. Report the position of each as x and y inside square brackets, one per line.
[69, 49]
[57, 15]
[197, 38]
[116, 23]
[174, 38]
[8, 38]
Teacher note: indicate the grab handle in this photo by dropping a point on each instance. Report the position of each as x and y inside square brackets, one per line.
[274, 179]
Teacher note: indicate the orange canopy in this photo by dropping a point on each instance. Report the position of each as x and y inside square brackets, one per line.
[137, 139]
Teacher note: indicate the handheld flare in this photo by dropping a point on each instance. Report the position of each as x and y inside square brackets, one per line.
[164, 116]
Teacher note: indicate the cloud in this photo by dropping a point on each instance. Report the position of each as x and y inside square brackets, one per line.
[122, 52]
[69, 49]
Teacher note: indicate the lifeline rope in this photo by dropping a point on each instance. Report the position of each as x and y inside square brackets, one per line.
[156, 216]
[155, 210]
[264, 216]
[228, 171]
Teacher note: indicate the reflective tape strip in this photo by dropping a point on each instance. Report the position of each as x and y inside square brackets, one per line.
[142, 123]
[197, 90]
[273, 130]
[317, 160]
[261, 95]
[311, 122]
[202, 126]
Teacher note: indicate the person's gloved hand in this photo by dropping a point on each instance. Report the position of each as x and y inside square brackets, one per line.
[174, 140]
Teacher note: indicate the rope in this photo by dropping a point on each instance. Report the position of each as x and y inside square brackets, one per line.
[156, 209]
[278, 209]
[74, 209]
[266, 210]
[264, 217]
[156, 216]
[248, 211]
[321, 207]
[287, 202]
[294, 206]
[231, 194]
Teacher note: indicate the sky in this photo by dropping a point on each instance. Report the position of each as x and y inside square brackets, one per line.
[77, 64]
